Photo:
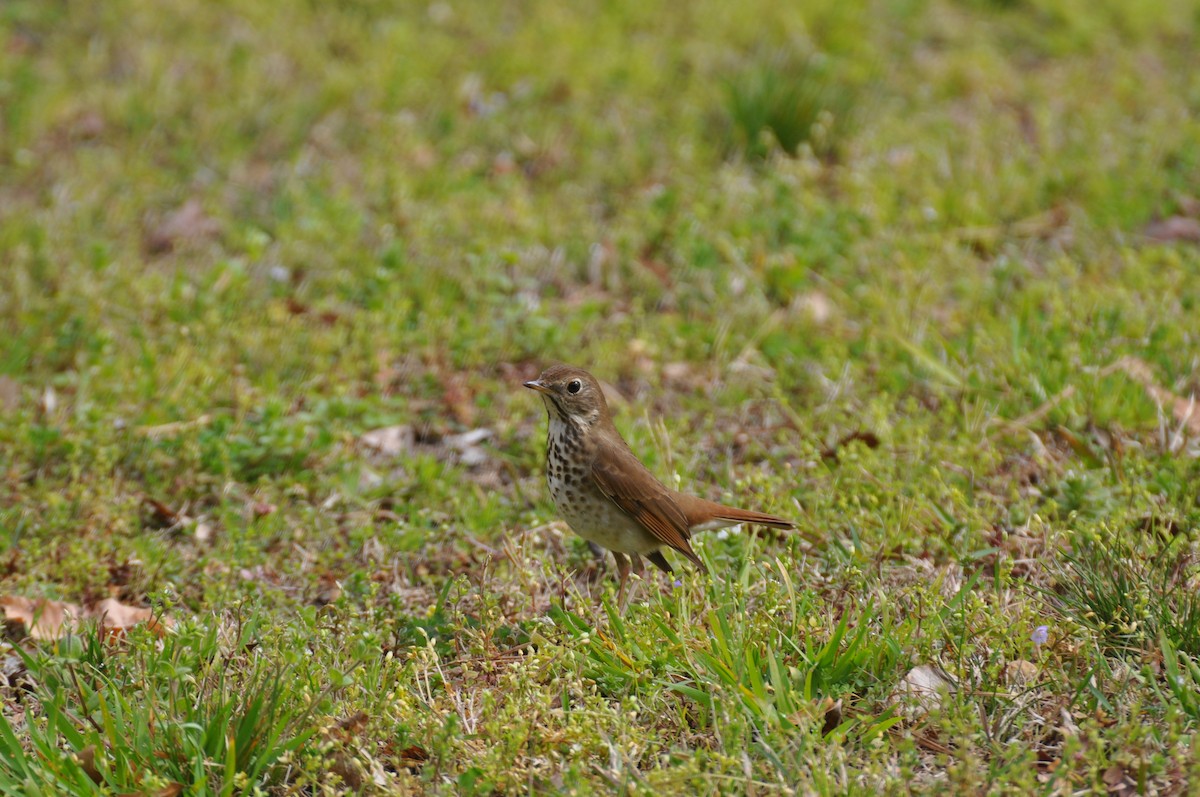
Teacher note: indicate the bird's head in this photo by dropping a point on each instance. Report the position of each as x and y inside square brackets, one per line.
[571, 394]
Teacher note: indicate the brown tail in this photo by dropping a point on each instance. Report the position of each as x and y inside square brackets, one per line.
[703, 514]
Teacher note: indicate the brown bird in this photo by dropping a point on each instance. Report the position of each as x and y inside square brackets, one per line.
[609, 497]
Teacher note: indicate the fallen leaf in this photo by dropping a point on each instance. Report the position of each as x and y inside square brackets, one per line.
[1020, 673]
[466, 446]
[122, 571]
[187, 222]
[1118, 782]
[1173, 229]
[1188, 205]
[351, 725]
[42, 619]
[867, 438]
[295, 306]
[88, 125]
[390, 441]
[924, 685]
[165, 516]
[259, 574]
[262, 509]
[373, 550]
[342, 764]
[49, 620]
[328, 591]
[10, 393]
[677, 372]
[833, 715]
[87, 762]
[117, 616]
[413, 757]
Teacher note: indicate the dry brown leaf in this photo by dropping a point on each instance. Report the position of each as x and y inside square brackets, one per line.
[1188, 205]
[88, 125]
[351, 726]
[467, 448]
[1173, 229]
[679, 373]
[42, 619]
[10, 393]
[328, 590]
[164, 516]
[342, 764]
[187, 222]
[87, 762]
[1118, 781]
[259, 574]
[390, 441]
[833, 715]
[1020, 673]
[117, 616]
[49, 620]
[114, 614]
[262, 509]
[413, 757]
[924, 685]
[867, 438]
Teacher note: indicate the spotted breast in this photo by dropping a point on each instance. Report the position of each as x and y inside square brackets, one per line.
[588, 512]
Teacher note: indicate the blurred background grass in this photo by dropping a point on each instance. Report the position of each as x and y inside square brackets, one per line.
[923, 228]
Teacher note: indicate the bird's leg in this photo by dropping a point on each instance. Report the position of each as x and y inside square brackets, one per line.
[622, 577]
[639, 569]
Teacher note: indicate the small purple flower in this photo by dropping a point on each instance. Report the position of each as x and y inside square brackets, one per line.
[678, 583]
[1040, 635]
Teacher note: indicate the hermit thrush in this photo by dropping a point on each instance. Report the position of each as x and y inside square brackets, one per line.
[609, 497]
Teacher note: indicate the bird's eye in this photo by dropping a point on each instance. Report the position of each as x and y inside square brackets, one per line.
[575, 386]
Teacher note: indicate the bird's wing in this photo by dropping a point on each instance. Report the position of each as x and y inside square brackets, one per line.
[629, 485]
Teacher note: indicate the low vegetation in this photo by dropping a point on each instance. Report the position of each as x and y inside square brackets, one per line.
[921, 276]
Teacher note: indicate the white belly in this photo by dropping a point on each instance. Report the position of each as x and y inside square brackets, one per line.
[599, 520]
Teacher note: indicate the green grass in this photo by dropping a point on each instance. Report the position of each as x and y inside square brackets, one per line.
[872, 265]
[788, 101]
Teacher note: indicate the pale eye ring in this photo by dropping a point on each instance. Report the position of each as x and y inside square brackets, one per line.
[575, 386]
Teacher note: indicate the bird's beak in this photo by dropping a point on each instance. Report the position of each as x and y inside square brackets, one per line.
[538, 386]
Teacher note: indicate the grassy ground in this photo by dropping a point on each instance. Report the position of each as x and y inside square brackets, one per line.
[941, 317]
